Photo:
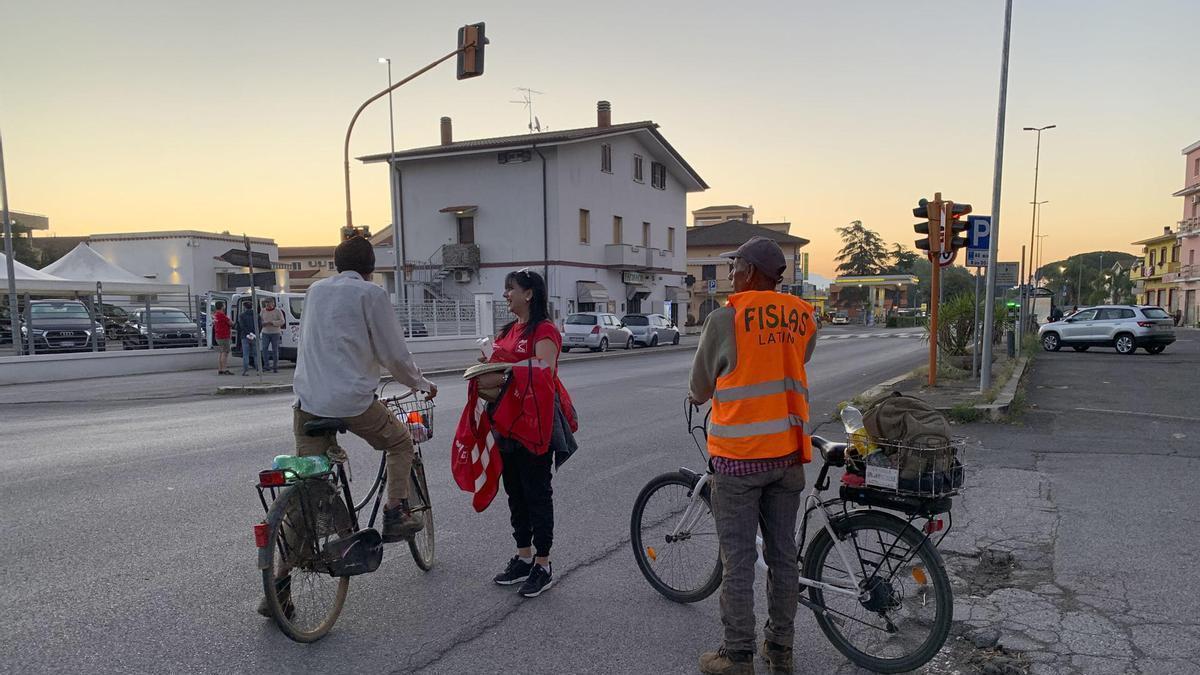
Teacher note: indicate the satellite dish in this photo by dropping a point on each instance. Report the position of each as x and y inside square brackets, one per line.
[537, 124]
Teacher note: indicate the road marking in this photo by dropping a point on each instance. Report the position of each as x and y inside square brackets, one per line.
[849, 336]
[1140, 414]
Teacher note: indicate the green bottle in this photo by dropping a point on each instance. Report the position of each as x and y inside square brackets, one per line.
[302, 467]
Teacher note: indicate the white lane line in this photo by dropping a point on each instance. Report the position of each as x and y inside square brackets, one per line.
[1140, 414]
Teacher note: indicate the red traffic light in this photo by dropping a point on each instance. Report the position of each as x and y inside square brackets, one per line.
[470, 50]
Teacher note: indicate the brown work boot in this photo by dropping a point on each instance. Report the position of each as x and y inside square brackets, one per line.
[726, 662]
[400, 523]
[778, 657]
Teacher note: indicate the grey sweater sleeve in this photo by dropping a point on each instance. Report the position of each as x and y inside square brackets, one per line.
[716, 355]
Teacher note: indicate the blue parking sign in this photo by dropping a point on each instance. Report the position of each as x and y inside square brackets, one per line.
[979, 237]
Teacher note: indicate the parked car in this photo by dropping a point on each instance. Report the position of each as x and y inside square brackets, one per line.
[169, 327]
[59, 326]
[1123, 327]
[651, 330]
[6, 325]
[839, 319]
[596, 331]
[115, 319]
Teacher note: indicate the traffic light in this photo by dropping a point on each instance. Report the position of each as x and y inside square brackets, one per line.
[930, 216]
[470, 50]
[956, 227]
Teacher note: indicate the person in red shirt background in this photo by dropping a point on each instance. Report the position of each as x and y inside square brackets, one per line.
[527, 476]
[221, 334]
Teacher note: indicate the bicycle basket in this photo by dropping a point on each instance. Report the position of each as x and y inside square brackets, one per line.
[923, 472]
[417, 414]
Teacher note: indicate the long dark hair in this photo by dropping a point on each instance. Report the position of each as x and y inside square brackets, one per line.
[539, 304]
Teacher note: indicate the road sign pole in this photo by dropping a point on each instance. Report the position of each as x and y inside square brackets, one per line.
[935, 288]
[975, 332]
[989, 309]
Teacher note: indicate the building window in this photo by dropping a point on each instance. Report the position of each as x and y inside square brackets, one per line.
[295, 266]
[1192, 257]
[584, 226]
[617, 226]
[637, 168]
[658, 175]
[1152, 254]
[646, 234]
[708, 272]
[606, 158]
[671, 239]
[332, 265]
[466, 229]
[1196, 170]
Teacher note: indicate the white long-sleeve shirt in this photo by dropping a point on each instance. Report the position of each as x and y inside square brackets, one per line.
[348, 333]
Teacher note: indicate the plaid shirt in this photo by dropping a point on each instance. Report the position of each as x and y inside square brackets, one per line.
[746, 467]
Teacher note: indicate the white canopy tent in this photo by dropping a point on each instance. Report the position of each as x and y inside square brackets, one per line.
[84, 264]
[30, 280]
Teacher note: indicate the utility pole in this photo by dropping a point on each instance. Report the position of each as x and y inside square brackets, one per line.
[989, 309]
[13, 315]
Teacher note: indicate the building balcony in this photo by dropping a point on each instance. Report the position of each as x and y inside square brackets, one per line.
[460, 257]
[1189, 227]
[1184, 273]
[627, 256]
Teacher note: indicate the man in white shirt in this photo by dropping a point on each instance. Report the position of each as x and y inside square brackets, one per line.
[348, 332]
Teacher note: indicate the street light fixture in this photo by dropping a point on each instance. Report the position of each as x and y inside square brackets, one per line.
[1033, 216]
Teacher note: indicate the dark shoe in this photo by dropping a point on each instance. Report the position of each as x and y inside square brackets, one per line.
[399, 524]
[283, 589]
[245, 373]
[517, 571]
[274, 370]
[725, 662]
[778, 657]
[539, 580]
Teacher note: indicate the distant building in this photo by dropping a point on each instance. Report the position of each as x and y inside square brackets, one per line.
[711, 215]
[601, 209]
[1187, 277]
[1153, 276]
[706, 243]
[306, 264]
[193, 258]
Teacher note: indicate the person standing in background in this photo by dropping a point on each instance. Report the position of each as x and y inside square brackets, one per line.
[270, 326]
[246, 334]
[222, 328]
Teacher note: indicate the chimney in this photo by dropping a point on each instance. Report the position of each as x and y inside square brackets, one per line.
[447, 132]
[603, 114]
[1166, 229]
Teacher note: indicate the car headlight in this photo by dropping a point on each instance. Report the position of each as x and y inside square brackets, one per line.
[157, 335]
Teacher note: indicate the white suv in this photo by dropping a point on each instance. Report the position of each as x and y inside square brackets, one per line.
[1123, 327]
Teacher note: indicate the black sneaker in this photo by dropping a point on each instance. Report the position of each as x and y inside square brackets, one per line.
[539, 580]
[516, 572]
[399, 524]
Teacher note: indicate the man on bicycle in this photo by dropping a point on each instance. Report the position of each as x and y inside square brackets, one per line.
[750, 362]
[349, 331]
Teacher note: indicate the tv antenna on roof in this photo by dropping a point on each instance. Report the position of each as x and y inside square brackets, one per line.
[527, 95]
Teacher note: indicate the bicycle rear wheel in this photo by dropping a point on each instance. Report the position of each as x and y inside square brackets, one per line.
[675, 539]
[902, 617]
[304, 599]
[421, 545]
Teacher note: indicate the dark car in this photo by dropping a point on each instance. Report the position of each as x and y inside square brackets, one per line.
[164, 326]
[115, 319]
[5, 325]
[59, 326]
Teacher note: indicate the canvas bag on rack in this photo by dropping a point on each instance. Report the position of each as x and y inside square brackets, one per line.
[898, 420]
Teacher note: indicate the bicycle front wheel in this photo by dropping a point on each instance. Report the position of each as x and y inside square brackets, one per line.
[421, 544]
[303, 598]
[674, 539]
[901, 615]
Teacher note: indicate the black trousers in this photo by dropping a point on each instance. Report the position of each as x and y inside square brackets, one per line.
[526, 478]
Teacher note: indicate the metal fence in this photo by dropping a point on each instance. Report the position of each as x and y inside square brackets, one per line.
[104, 323]
[437, 318]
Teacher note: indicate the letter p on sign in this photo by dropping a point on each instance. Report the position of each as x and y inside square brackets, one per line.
[980, 229]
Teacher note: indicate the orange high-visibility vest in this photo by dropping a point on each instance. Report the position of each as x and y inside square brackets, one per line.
[760, 408]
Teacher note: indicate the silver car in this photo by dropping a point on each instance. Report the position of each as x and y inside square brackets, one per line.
[596, 331]
[1123, 327]
[651, 330]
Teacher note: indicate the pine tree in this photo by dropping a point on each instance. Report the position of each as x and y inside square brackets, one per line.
[864, 252]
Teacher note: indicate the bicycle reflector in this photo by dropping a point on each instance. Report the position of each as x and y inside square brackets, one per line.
[934, 525]
[260, 535]
[651, 553]
[918, 575]
[271, 478]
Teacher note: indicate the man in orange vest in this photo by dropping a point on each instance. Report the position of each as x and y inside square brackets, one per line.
[750, 362]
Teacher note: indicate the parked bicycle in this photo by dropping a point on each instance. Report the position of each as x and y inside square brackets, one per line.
[311, 543]
[874, 580]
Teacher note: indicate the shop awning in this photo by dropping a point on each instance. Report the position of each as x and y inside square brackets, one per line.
[677, 294]
[636, 292]
[591, 291]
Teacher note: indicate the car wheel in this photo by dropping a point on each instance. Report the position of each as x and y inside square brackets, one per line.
[603, 345]
[1080, 348]
[1124, 344]
[1050, 342]
[1156, 349]
[675, 340]
[566, 350]
[654, 341]
[629, 343]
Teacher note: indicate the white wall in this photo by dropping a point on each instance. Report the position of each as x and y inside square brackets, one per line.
[177, 260]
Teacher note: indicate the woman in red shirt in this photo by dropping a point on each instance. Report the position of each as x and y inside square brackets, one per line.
[526, 476]
[221, 328]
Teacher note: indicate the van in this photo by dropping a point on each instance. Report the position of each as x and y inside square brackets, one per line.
[292, 305]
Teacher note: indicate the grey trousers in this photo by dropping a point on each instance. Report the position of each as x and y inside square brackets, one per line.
[740, 505]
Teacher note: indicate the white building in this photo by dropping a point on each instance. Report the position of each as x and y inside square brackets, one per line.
[192, 258]
[600, 211]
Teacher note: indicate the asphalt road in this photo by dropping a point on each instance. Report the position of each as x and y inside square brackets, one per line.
[129, 547]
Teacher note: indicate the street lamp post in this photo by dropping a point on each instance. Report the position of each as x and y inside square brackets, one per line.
[1037, 207]
[10, 265]
[1037, 159]
[397, 226]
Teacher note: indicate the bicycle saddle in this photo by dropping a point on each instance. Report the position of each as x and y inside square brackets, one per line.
[323, 426]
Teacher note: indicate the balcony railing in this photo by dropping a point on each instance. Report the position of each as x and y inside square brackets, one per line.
[1185, 273]
[626, 256]
[1189, 227]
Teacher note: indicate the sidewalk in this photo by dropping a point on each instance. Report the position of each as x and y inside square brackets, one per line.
[157, 386]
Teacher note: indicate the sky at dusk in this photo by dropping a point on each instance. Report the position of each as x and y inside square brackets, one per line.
[126, 116]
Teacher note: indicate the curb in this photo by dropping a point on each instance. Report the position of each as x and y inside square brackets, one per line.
[995, 411]
[258, 389]
[883, 387]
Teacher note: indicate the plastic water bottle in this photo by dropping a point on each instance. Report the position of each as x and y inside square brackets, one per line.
[303, 467]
